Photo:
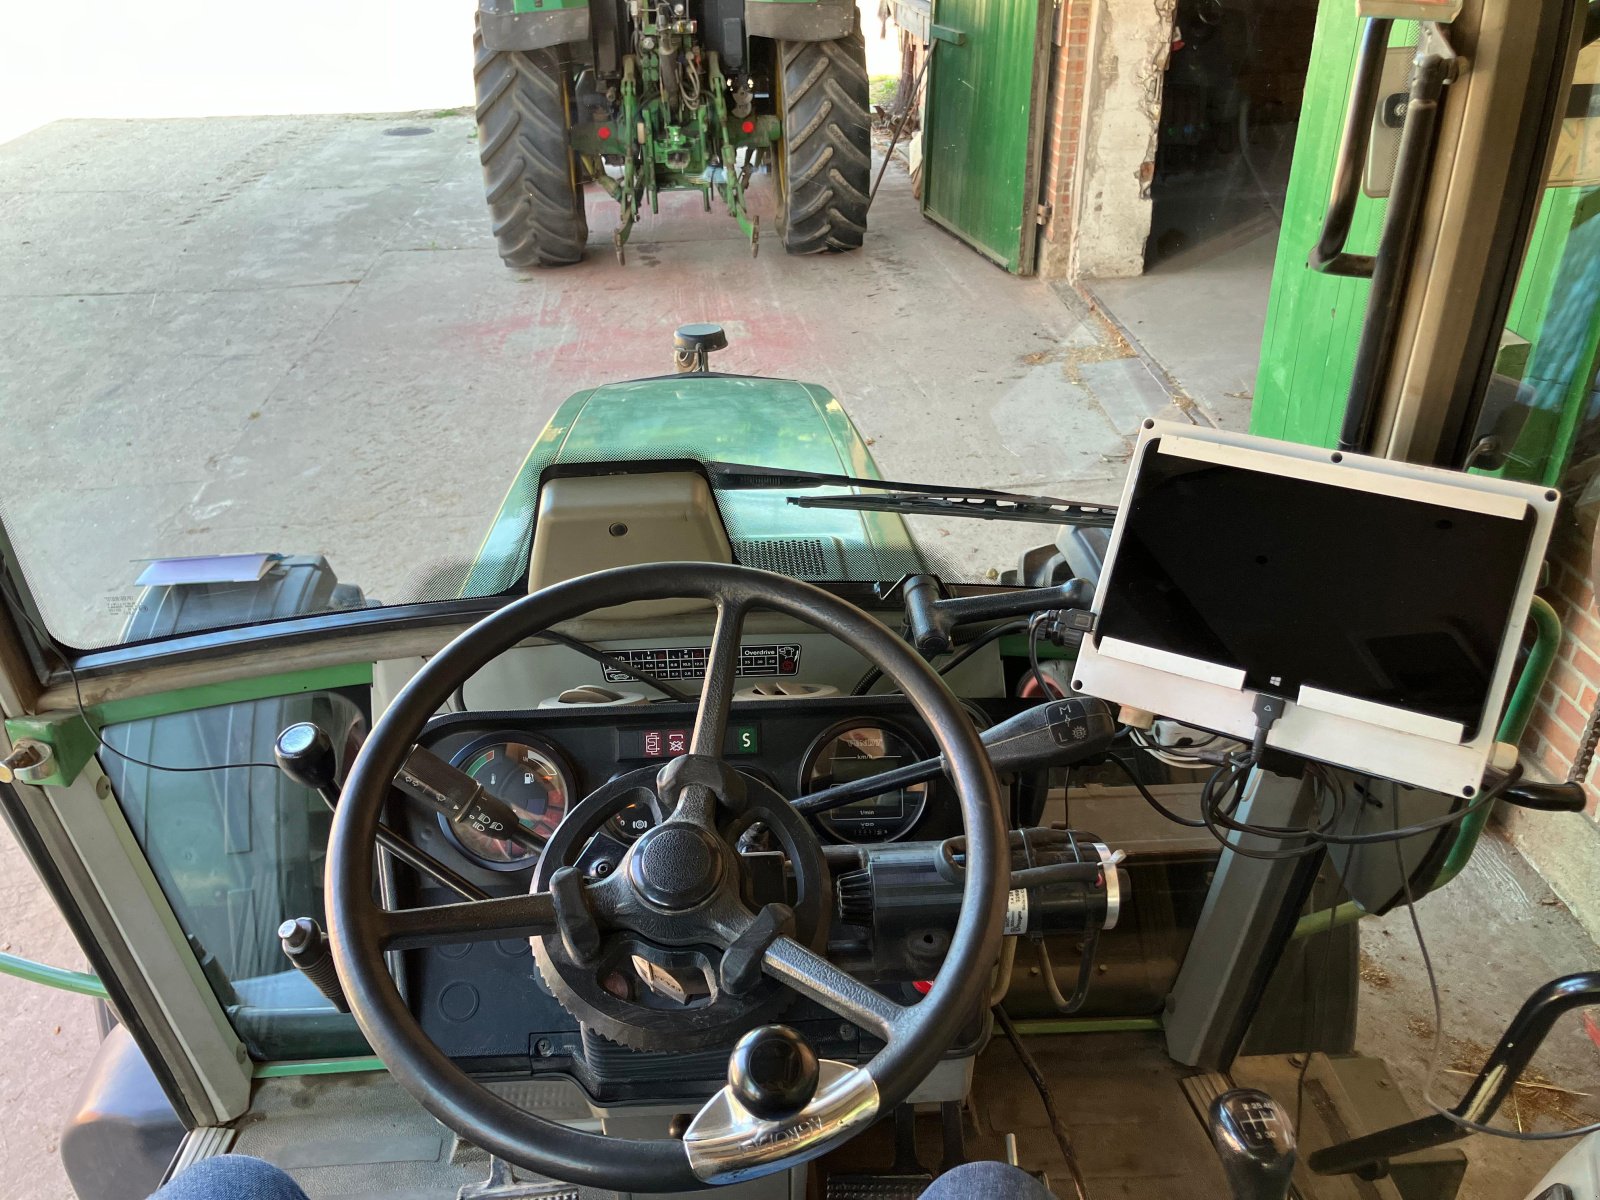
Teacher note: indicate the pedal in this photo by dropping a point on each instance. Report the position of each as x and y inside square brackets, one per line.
[888, 1186]
[502, 1185]
[907, 1179]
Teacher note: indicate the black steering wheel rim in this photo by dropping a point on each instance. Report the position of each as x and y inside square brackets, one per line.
[559, 1151]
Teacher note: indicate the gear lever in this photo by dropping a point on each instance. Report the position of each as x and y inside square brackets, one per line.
[1255, 1141]
[305, 753]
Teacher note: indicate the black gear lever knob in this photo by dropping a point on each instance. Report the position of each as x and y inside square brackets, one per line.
[304, 752]
[1255, 1141]
[773, 1071]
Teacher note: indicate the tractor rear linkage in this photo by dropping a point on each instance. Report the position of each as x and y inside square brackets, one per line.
[671, 138]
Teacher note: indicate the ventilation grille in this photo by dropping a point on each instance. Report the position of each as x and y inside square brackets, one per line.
[798, 558]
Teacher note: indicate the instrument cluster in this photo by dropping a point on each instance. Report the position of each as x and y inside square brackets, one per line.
[543, 762]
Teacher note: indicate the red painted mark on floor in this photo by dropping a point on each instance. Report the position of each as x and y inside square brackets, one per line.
[493, 335]
[1591, 1026]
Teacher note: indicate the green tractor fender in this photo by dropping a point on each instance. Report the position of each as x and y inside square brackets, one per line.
[537, 24]
[532, 24]
[800, 20]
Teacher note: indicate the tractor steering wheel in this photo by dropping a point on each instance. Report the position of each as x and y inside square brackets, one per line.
[678, 892]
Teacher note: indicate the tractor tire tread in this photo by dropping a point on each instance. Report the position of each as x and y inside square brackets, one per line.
[827, 144]
[536, 208]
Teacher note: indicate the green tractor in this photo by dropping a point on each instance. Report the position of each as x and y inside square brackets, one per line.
[642, 97]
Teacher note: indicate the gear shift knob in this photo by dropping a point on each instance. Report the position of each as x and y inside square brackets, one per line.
[773, 1071]
[1254, 1139]
[304, 752]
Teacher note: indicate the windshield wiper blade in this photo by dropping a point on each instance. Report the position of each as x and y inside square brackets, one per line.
[998, 506]
[932, 499]
[741, 476]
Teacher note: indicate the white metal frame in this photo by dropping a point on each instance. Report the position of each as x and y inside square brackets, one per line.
[1412, 748]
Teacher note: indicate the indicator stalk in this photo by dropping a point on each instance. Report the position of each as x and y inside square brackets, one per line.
[464, 801]
[1054, 734]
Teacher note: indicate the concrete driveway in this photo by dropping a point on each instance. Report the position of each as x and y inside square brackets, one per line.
[294, 334]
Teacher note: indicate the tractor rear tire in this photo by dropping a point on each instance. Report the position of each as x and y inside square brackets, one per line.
[530, 177]
[825, 159]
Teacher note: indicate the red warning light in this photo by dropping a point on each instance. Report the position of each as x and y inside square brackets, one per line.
[605, 132]
[748, 126]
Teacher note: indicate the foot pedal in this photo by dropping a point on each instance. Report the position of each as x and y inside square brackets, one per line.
[907, 1179]
[503, 1185]
[888, 1186]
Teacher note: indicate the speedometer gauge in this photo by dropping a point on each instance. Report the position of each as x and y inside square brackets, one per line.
[529, 776]
[858, 750]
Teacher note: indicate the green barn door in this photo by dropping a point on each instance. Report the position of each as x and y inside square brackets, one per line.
[985, 115]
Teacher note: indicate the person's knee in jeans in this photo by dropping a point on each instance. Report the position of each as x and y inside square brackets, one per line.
[230, 1177]
[986, 1181]
[239, 1177]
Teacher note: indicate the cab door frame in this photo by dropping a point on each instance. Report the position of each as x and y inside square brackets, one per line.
[77, 838]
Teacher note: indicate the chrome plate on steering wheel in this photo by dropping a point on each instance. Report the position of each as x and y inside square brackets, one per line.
[727, 1143]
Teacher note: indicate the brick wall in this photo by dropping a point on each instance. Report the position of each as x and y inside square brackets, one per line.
[1551, 741]
[1069, 72]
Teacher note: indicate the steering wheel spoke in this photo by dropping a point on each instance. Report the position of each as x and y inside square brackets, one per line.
[474, 921]
[722, 678]
[815, 978]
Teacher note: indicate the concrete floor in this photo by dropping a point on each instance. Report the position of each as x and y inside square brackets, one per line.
[1200, 316]
[294, 334]
[47, 1038]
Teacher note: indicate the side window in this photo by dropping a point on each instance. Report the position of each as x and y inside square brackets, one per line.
[1541, 418]
[237, 851]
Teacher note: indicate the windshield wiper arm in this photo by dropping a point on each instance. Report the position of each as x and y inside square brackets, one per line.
[1046, 510]
[930, 499]
[740, 476]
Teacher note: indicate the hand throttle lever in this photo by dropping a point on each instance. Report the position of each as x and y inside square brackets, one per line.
[933, 619]
[304, 752]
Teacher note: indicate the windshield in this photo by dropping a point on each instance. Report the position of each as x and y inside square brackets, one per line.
[288, 350]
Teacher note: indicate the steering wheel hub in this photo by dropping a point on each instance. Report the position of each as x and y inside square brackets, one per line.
[677, 909]
[676, 866]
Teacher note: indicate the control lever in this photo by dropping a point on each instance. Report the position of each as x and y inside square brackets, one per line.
[1046, 735]
[1254, 1139]
[307, 947]
[461, 798]
[933, 619]
[1546, 797]
[1369, 1154]
[304, 752]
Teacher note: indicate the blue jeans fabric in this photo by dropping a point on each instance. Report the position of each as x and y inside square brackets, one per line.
[230, 1177]
[987, 1181]
[239, 1177]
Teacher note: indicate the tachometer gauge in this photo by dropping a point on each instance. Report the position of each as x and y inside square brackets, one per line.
[529, 776]
[857, 750]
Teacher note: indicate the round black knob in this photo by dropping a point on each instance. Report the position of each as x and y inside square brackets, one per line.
[304, 752]
[773, 1071]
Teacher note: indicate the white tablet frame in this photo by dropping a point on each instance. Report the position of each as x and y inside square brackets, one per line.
[1413, 748]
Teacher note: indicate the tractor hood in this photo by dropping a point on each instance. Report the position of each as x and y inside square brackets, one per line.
[776, 423]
